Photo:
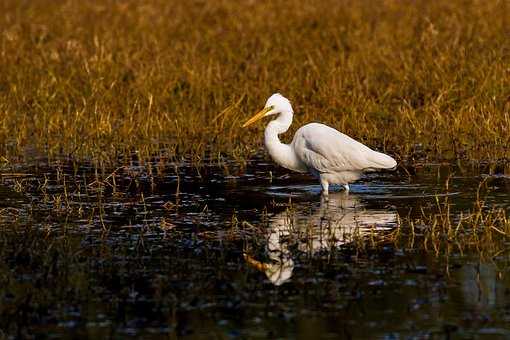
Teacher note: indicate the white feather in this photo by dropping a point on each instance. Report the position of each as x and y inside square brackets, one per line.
[326, 150]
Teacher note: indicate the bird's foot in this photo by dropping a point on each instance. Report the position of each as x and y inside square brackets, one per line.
[324, 186]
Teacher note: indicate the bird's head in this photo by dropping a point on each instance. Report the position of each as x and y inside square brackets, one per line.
[274, 105]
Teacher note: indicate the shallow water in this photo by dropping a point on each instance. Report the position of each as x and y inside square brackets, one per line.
[253, 253]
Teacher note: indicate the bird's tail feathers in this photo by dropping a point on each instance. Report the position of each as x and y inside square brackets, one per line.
[382, 161]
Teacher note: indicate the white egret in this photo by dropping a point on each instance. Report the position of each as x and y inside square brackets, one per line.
[329, 155]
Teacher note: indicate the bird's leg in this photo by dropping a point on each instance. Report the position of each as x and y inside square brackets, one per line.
[325, 187]
[346, 187]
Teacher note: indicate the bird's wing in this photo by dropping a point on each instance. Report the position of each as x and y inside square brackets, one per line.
[325, 149]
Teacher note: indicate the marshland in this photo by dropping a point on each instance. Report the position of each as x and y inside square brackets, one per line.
[135, 205]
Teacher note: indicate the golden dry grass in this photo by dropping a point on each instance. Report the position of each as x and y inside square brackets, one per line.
[99, 79]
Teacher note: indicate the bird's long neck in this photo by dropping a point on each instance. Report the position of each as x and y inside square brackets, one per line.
[281, 153]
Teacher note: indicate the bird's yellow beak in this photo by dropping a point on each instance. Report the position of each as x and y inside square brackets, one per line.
[258, 116]
[255, 264]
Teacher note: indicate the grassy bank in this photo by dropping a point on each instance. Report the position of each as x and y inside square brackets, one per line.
[97, 80]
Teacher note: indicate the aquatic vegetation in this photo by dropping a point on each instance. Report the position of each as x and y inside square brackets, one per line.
[140, 252]
[176, 79]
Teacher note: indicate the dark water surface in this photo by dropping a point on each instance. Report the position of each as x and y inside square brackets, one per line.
[154, 252]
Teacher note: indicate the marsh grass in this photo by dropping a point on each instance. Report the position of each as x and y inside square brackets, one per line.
[101, 80]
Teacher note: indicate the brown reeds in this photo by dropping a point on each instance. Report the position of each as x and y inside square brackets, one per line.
[98, 80]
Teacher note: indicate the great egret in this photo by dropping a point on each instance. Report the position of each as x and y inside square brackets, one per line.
[329, 155]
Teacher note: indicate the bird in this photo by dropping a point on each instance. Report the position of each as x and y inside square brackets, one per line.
[322, 151]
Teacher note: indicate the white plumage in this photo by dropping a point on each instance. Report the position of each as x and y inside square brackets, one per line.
[329, 155]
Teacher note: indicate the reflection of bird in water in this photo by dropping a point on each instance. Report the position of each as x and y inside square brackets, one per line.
[338, 221]
[329, 155]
